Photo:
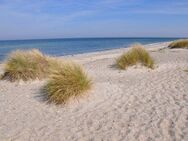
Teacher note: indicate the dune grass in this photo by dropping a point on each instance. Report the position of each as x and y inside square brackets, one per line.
[26, 65]
[1, 76]
[179, 44]
[67, 81]
[137, 54]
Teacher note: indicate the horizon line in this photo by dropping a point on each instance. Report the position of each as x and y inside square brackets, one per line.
[131, 37]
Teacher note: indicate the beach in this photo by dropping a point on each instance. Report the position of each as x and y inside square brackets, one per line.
[137, 104]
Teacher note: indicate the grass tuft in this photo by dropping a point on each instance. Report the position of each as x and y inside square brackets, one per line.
[179, 44]
[67, 81]
[1, 76]
[26, 65]
[137, 54]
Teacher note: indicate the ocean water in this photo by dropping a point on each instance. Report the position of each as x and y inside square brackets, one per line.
[60, 47]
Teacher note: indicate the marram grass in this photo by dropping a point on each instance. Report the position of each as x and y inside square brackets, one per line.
[137, 54]
[26, 65]
[67, 81]
[179, 44]
[1, 76]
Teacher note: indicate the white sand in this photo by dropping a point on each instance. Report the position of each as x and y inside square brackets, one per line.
[134, 105]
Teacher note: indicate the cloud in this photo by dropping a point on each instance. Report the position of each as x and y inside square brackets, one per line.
[70, 9]
[42, 10]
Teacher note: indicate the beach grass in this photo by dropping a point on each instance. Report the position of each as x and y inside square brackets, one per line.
[26, 65]
[137, 54]
[67, 81]
[179, 44]
[1, 76]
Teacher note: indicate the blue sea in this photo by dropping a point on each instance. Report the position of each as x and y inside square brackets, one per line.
[71, 46]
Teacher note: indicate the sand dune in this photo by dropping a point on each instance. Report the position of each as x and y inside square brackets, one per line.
[138, 104]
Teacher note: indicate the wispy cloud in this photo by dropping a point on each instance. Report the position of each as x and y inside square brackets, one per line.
[81, 8]
[41, 10]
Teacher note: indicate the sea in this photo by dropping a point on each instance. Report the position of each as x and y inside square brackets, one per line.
[72, 46]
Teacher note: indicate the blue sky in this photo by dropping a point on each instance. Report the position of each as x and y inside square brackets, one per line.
[23, 19]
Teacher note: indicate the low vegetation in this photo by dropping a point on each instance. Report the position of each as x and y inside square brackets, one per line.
[67, 81]
[179, 44]
[137, 54]
[27, 65]
[1, 76]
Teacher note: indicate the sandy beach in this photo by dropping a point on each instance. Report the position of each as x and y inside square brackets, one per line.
[137, 104]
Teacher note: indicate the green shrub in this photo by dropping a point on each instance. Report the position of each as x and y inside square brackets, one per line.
[67, 81]
[179, 44]
[26, 65]
[137, 54]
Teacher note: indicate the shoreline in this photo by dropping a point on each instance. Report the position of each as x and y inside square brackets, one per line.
[158, 44]
[110, 53]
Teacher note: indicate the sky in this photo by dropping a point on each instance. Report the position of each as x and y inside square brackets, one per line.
[33, 19]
